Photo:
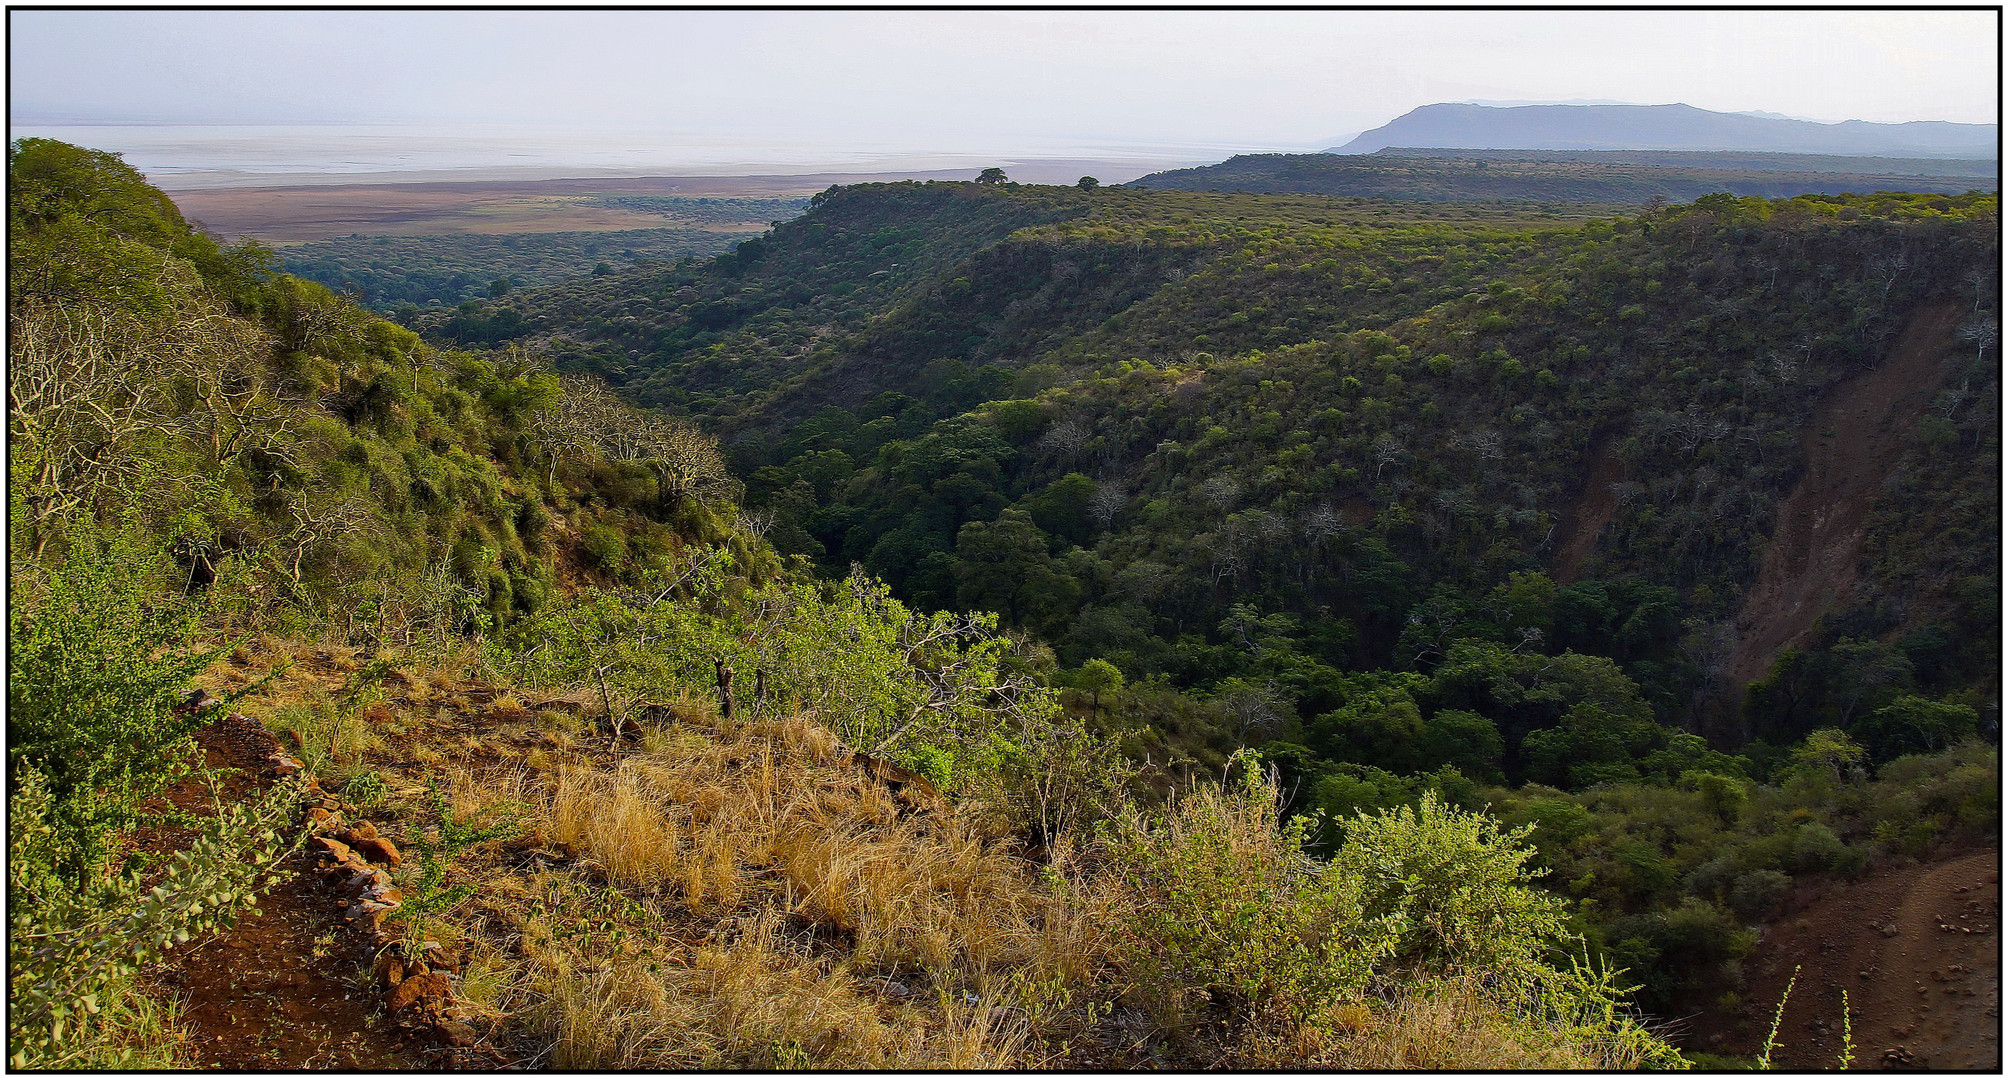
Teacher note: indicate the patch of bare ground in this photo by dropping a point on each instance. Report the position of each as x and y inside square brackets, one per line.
[1585, 521]
[272, 992]
[1917, 948]
[1853, 441]
[287, 215]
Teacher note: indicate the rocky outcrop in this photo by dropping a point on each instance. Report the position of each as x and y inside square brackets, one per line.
[353, 864]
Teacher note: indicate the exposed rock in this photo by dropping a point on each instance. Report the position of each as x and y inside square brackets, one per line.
[420, 991]
[1901, 1058]
[377, 849]
[195, 701]
[455, 1033]
[331, 846]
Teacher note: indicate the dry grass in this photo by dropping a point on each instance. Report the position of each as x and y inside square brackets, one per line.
[761, 1002]
[1456, 1025]
[729, 896]
[770, 811]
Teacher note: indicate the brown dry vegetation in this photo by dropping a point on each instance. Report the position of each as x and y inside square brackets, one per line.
[291, 215]
[721, 894]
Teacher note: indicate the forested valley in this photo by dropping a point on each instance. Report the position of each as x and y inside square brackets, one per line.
[983, 625]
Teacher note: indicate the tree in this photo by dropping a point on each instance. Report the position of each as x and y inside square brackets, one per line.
[1088, 183]
[1828, 750]
[1915, 725]
[587, 418]
[992, 175]
[1096, 676]
[1005, 566]
[1457, 886]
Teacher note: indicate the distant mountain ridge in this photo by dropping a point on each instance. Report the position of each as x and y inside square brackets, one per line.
[1667, 127]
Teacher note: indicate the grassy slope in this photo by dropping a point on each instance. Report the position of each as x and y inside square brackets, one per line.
[719, 894]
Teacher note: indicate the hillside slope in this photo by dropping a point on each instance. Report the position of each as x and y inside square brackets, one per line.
[1233, 681]
[1270, 399]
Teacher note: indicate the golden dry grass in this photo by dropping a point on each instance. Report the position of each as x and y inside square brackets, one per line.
[760, 1002]
[1457, 1025]
[770, 809]
[715, 895]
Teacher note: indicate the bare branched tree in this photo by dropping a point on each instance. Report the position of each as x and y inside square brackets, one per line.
[88, 387]
[1110, 497]
[1387, 450]
[589, 419]
[1066, 439]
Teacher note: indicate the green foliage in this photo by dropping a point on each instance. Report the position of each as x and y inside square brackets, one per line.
[1229, 901]
[1552, 177]
[1222, 387]
[1915, 725]
[98, 660]
[304, 461]
[400, 274]
[1456, 885]
[886, 679]
[75, 947]
[1221, 896]
[428, 894]
[1657, 870]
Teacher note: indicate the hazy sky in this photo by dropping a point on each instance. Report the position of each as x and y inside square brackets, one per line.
[939, 80]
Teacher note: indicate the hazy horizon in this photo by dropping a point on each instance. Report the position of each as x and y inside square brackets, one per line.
[237, 96]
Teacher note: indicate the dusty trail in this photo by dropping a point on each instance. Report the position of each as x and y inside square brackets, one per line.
[1852, 442]
[1917, 948]
[273, 992]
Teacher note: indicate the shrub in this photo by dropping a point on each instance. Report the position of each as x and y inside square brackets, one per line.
[1226, 899]
[1755, 893]
[97, 663]
[1456, 887]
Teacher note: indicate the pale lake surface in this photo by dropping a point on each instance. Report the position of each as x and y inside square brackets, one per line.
[179, 157]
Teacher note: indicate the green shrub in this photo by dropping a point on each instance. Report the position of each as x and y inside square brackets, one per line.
[97, 661]
[1457, 888]
[605, 546]
[1755, 893]
[98, 664]
[1227, 900]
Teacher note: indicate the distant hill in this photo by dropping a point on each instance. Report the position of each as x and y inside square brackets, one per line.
[1668, 127]
[1986, 168]
[1609, 177]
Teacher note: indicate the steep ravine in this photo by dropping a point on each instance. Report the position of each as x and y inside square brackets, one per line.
[1853, 441]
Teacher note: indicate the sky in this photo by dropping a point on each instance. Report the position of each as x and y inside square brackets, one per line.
[978, 81]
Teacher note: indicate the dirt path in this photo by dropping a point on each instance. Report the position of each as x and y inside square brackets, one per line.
[274, 992]
[1854, 438]
[1917, 948]
[1586, 520]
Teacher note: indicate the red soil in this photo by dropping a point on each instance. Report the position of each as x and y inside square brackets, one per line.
[1917, 948]
[1853, 441]
[1586, 520]
[275, 991]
